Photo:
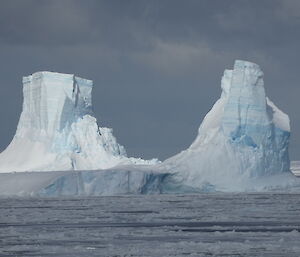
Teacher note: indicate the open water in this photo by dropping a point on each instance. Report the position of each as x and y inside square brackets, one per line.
[155, 225]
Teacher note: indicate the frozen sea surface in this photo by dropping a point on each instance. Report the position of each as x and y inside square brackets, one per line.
[157, 225]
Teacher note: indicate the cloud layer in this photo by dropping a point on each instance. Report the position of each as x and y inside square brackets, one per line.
[156, 65]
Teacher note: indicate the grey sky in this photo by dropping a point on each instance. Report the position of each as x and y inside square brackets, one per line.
[156, 64]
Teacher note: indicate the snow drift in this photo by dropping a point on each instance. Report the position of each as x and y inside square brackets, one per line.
[57, 129]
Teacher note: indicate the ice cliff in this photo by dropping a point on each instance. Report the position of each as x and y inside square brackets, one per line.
[243, 136]
[57, 129]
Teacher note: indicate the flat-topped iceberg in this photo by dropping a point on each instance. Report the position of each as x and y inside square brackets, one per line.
[57, 129]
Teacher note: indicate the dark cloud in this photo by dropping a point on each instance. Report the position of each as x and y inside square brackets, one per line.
[156, 65]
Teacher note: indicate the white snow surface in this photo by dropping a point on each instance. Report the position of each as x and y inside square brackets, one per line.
[57, 129]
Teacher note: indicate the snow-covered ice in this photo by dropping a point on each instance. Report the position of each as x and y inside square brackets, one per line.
[57, 129]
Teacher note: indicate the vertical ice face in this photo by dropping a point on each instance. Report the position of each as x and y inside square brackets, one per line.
[57, 129]
[250, 121]
[245, 113]
[53, 101]
[244, 135]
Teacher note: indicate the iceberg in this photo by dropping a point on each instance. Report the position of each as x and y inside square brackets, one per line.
[242, 145]
[244, 137]
[57, 130]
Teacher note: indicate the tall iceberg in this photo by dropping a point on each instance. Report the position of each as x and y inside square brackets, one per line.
[57, 129]
[242, 144]
[243, 136]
